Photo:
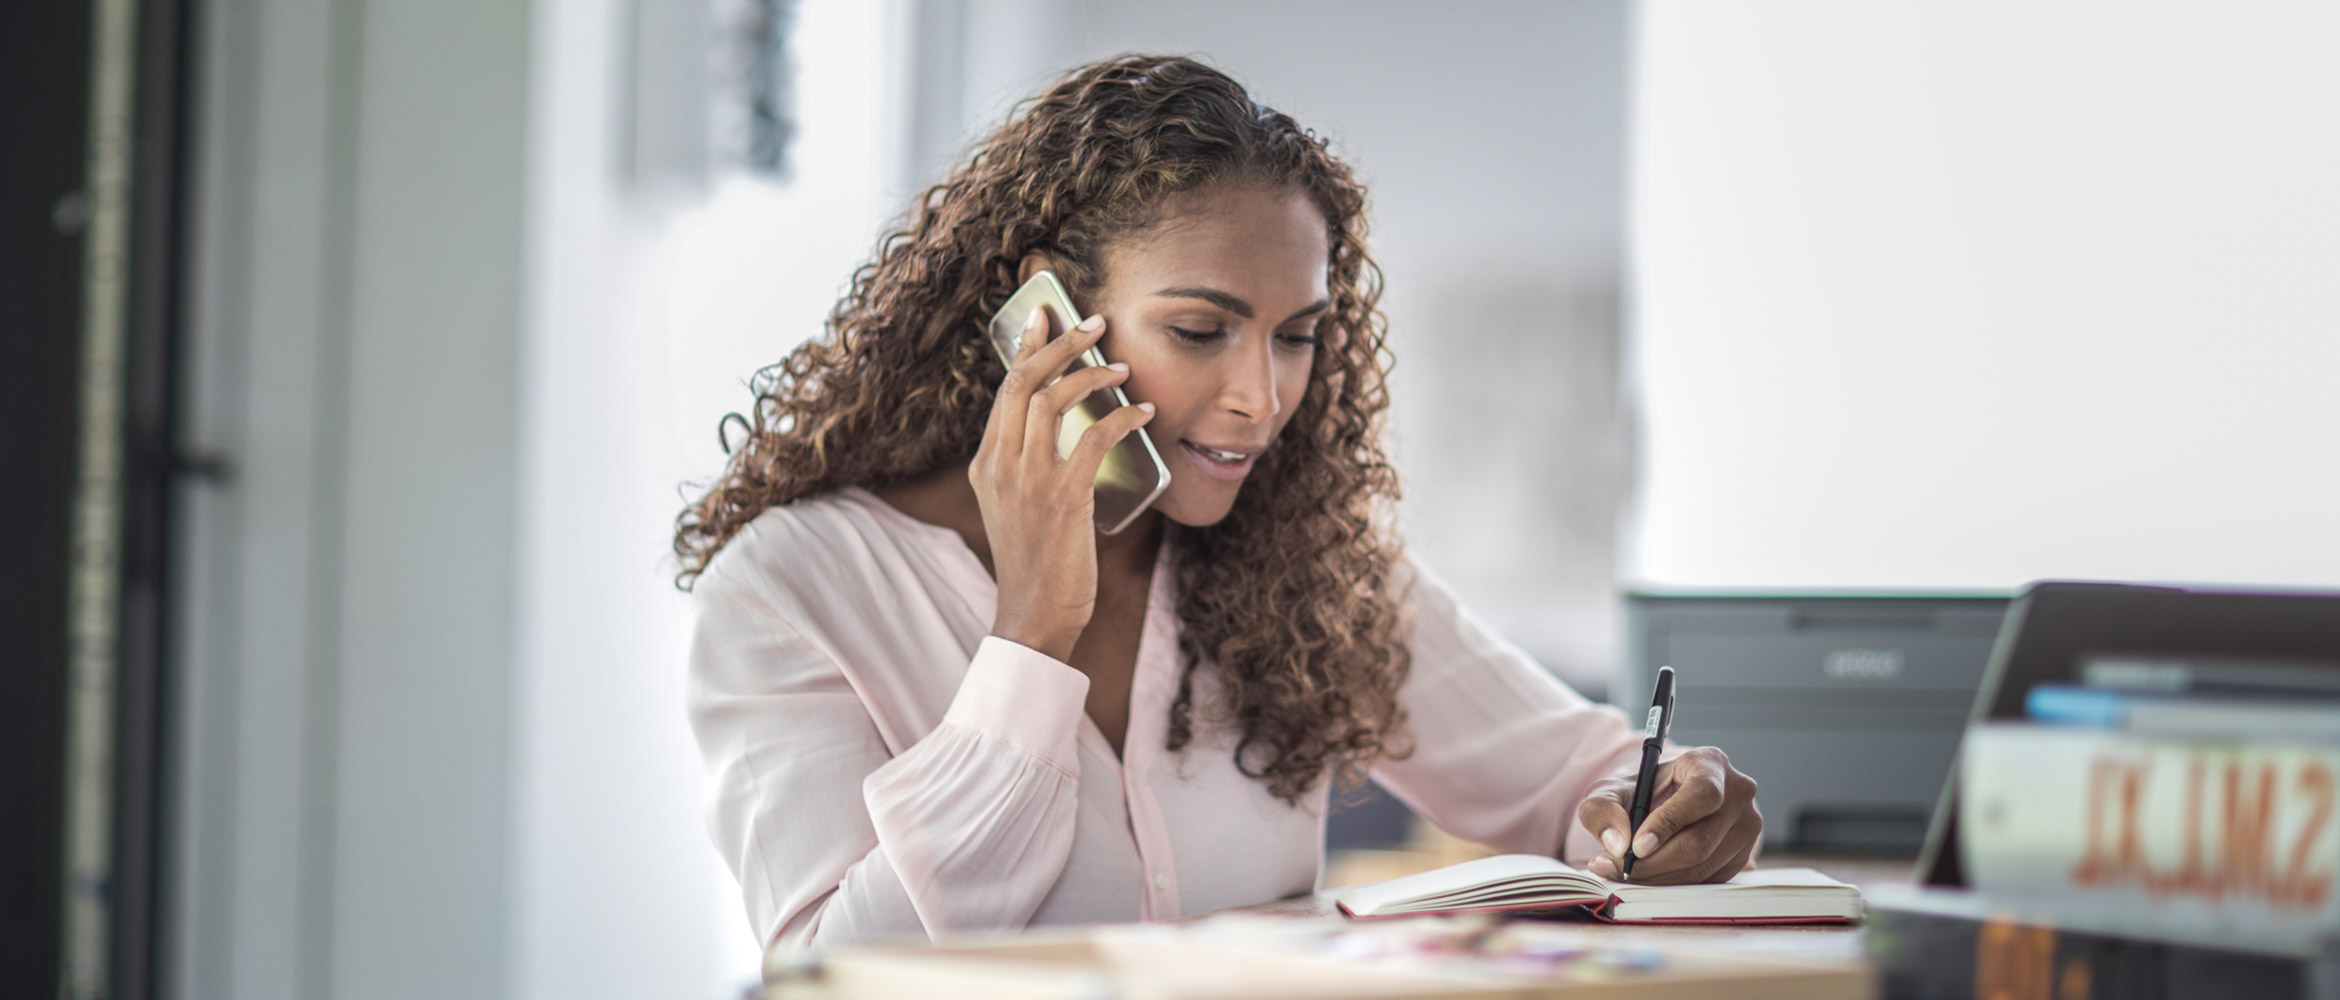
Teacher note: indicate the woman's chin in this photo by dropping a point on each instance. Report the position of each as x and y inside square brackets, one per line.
[1195, 511]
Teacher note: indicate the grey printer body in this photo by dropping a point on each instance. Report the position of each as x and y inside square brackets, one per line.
[1846, 710]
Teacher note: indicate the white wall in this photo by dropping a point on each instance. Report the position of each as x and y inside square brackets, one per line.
[1491, 137]
[738, 280]
[1962, 295]
[340, 727]
[614, 891]
[653, 296]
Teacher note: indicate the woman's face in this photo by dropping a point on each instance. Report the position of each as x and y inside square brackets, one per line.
[1215, 312]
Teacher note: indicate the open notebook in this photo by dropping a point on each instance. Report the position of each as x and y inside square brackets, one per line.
[1534, 882]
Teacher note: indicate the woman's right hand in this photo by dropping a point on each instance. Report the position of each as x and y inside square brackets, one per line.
[1039, 510]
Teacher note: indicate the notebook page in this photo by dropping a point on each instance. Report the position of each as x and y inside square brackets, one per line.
[1760, 879]
[1469, 875]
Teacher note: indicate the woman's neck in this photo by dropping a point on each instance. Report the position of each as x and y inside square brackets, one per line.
[945, 497]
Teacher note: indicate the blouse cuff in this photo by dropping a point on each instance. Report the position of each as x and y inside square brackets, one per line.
[1024, 698]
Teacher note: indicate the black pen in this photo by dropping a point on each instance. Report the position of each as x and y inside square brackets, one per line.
[1653, 740]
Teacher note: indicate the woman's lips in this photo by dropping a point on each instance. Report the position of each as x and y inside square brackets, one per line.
[1215, 468]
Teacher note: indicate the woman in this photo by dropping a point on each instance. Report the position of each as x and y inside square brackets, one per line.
[933, 698]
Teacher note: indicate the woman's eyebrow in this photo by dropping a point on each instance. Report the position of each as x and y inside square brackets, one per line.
[1231, 303]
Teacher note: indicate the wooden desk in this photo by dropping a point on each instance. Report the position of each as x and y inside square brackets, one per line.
[1206, 956]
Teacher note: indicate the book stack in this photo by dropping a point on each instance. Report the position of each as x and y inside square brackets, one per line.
[2157, 821]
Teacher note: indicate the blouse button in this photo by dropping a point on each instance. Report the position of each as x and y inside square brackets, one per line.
[1161, 881]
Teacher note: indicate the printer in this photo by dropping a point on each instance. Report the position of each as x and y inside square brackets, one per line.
[1845, 709]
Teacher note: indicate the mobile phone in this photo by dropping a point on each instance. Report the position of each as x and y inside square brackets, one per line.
[1132, 474]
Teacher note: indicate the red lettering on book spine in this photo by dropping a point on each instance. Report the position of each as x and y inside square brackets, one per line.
[2312, 887]
[2248, 829]
[2226, 835]
[2189, 877]
[2091, 870]
[2125, 861]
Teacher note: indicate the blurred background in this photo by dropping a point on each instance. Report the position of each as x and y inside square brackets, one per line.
[364, 352]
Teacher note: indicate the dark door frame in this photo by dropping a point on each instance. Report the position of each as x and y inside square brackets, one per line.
[44, 73]
[153, 465]
[46, 63]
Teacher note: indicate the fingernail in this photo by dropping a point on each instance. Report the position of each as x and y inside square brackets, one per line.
[1613, 842]
[1118, 366]
[1093, 323]
[1645, 845]
[1033, 321]
[1148, 407]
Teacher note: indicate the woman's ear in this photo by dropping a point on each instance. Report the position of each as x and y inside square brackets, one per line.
[1035, 261]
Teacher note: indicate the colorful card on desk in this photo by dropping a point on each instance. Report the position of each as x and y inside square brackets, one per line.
[1515, 882]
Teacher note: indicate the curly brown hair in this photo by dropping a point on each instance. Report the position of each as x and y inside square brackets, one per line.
[1289, 595]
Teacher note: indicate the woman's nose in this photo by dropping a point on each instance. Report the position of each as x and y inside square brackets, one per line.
[1250, 386]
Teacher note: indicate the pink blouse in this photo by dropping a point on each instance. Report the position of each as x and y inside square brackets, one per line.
[881, 767]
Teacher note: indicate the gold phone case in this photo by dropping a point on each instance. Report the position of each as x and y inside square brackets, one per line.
[1133, 473]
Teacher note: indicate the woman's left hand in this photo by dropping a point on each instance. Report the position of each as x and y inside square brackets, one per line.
[1702, 824]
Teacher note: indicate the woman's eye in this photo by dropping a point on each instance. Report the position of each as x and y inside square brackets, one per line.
[1300, 340]
[1196, 336]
